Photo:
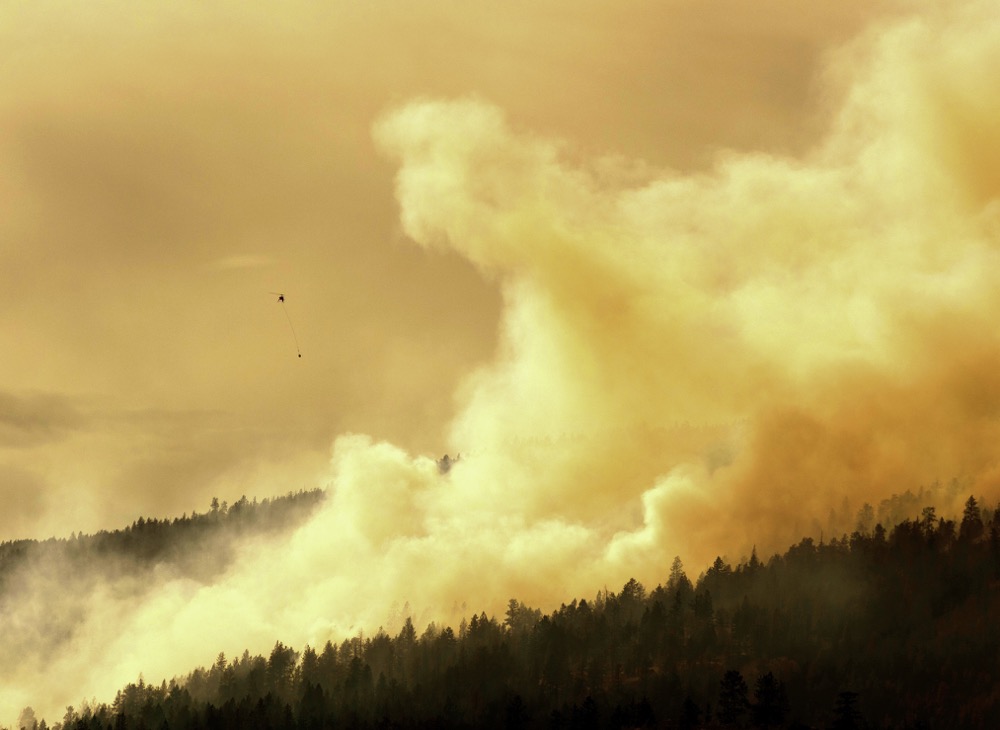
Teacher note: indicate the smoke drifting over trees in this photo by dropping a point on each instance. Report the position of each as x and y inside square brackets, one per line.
[884, 628]
[687, 364]
[65, 603]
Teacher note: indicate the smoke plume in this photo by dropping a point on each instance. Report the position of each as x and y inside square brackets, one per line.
[686, 365]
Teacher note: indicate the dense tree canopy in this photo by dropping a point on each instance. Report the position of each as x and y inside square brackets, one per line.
[197, 544]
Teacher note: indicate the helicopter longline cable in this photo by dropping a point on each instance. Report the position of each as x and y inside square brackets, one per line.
[281, 301]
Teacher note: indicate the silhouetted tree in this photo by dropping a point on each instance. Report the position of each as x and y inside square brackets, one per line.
[971, 528]
[770, 701]
[690, 714]
[733, 702]
[846, 715]
[866, 519]
[26, 720]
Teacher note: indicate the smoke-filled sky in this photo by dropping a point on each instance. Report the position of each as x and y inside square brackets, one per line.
[675, 278]
[163, 168]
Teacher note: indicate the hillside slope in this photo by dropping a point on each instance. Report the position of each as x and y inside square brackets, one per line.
[876, 629]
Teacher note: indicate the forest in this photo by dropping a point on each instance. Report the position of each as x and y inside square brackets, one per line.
[879, 628]
[129, 563]
[198, 545]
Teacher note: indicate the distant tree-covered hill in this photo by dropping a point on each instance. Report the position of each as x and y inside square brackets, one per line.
[126, 564]
[882, 628]
[198, 545]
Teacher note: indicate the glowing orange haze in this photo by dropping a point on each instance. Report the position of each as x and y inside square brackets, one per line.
[688, 362]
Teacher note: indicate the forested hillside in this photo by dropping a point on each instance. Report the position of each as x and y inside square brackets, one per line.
[882, 628]
[199, 544]
[48, 588]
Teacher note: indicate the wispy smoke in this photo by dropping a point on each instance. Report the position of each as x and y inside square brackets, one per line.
[35, 419]
[687, 365]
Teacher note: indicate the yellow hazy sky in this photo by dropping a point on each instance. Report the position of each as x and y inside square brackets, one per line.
[675, 278]
[164, 166]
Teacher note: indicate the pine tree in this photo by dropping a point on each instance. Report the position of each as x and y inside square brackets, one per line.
[971, 528]
[846, 715]
[770, 701]
[733, 702]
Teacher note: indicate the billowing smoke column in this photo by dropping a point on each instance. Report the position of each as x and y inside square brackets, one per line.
[687, 365]
[694, 364]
